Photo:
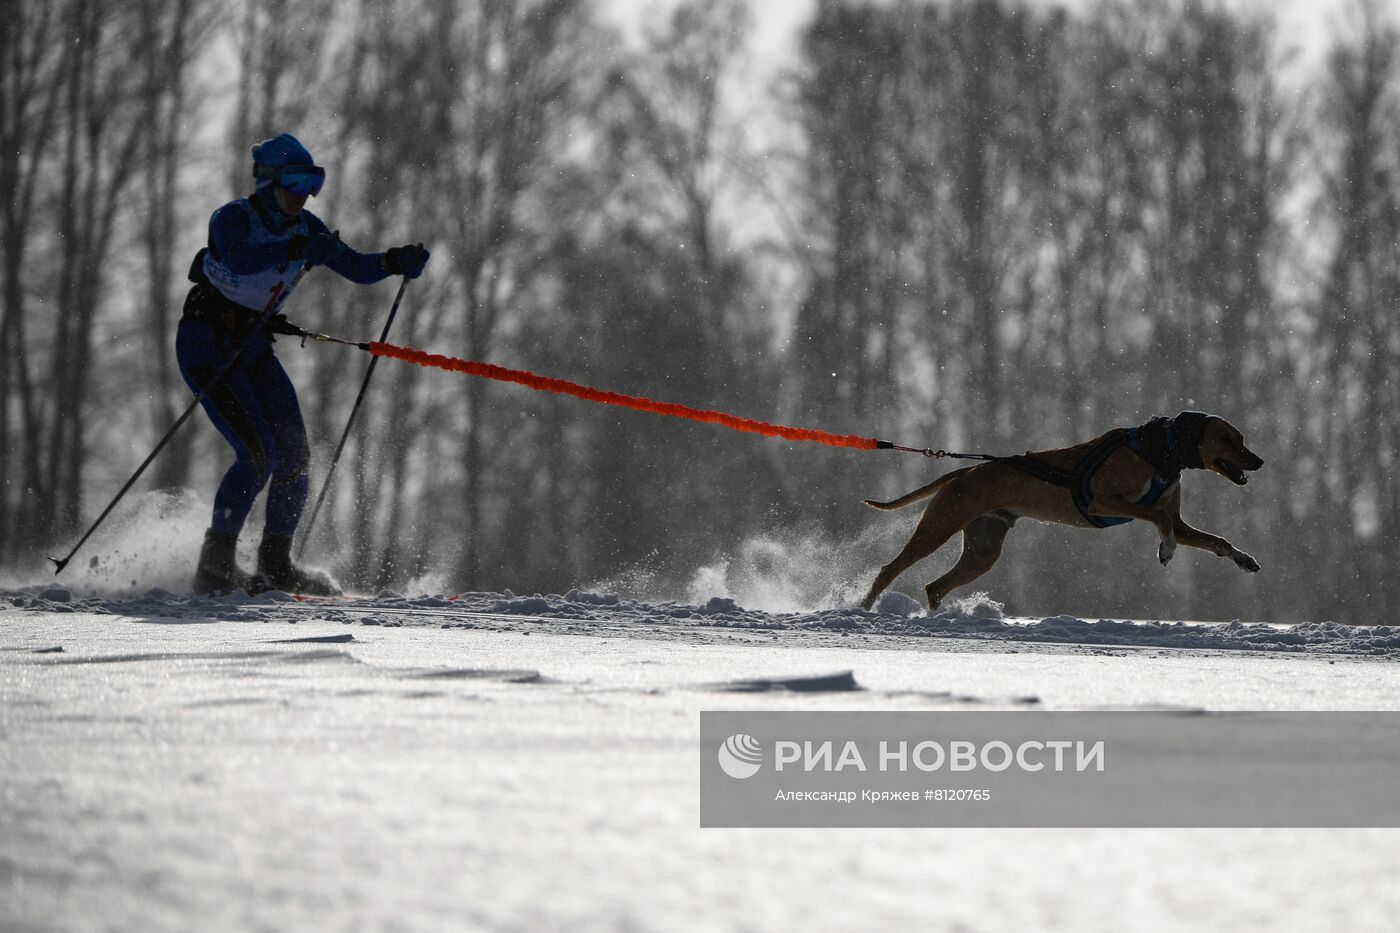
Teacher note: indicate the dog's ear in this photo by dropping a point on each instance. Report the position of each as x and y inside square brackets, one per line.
[1194, 421]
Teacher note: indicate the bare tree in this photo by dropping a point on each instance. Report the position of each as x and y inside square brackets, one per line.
[1356, 331]
[99, 139]
[510, 70]
[30, 63]
[174, 33]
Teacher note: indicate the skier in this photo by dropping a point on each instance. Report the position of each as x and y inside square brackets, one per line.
[256, 247]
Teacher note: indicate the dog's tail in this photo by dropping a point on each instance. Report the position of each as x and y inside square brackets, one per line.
[918, 495]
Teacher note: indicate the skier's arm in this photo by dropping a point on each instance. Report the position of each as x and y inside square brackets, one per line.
[230, 236]
[360, 268]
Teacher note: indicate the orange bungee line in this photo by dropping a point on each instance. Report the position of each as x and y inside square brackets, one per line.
[639, 403]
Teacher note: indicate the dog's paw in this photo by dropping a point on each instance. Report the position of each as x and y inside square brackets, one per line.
[1245, 562]
[1166, 549]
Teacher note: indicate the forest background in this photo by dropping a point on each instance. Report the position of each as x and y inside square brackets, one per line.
[975, 224]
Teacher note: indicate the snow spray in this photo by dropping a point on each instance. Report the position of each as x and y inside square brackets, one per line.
[146, 546]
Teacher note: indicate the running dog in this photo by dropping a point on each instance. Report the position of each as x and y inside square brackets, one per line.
[1126, 474]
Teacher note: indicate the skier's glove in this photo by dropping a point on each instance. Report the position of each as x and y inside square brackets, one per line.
[407, 261]
[312, 250]
[280, 325]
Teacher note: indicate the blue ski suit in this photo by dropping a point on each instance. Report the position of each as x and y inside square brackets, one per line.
[255, 408]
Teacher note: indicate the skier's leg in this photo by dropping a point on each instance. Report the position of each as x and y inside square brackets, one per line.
[288, 483]
[286, 496]
[233, 409]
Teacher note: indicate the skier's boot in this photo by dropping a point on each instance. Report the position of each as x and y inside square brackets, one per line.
[218, 573]
[277, 571]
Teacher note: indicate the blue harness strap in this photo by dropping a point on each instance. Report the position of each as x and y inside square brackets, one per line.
[1155, 442]
[1135, 440]
[1084, 473]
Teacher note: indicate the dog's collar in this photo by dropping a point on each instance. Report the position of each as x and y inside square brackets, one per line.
[1171, 445]
[1188, 430]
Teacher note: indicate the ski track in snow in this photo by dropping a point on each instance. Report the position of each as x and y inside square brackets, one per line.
[577, 612]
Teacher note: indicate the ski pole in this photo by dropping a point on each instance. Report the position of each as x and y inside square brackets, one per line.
[350, 422]
[268, 313]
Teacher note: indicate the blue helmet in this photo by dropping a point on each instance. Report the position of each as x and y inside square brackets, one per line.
[285, 161]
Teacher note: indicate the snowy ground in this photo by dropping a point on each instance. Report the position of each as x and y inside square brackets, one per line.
[531, 763]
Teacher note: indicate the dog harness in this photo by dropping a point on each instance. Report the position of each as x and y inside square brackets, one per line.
[1168, 447]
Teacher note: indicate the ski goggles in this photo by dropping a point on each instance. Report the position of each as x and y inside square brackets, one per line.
[302, 179]
[294, 179]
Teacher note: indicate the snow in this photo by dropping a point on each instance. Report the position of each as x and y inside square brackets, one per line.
[977, 617]
[488, 760]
